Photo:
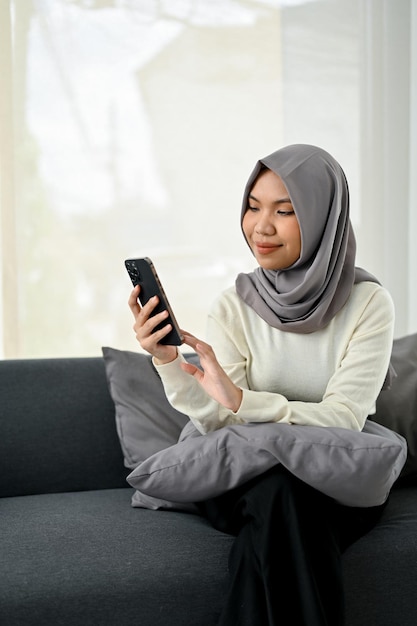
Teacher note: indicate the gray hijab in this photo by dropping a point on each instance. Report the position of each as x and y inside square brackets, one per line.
[305, 297]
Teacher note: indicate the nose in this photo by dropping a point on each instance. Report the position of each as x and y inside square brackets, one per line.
[264, 225]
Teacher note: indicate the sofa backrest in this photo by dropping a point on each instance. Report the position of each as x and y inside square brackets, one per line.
[57, 427]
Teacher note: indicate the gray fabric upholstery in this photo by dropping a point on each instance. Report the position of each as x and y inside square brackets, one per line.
[380, 570]
[146, 422]
[78, 553]
[396, 408]
[354, 468]
[57, 430]
[89, 558]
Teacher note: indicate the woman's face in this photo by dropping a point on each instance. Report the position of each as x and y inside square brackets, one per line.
[270, 225]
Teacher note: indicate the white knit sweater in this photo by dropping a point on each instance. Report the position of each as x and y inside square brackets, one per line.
[331, 377]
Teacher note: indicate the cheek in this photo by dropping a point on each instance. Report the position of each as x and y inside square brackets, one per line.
[294, 235]
[297, 240]
[297, 234]
[247, 224]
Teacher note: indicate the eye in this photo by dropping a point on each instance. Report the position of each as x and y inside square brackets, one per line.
[253, 208]
[285, 213]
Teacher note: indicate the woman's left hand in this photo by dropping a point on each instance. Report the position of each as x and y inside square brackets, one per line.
[212, 377]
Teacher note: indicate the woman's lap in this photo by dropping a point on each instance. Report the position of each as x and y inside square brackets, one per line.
[289, 539]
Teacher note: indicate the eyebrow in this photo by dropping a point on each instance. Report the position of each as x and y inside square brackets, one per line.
[280, 201]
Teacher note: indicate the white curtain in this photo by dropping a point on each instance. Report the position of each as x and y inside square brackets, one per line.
[129, 127]
[387, 230]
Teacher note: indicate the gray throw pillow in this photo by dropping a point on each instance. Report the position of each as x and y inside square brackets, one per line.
[142, 501]
[396, 408]
[355, 468]
[146, 422]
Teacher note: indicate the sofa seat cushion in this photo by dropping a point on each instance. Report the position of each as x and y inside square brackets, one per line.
[381, 568]
[90, 558]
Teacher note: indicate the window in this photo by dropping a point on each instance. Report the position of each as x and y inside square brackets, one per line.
[129, 128]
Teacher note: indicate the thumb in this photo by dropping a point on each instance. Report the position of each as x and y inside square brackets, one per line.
[191, 369]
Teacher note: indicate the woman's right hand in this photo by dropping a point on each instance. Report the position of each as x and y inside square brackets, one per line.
[144, 326]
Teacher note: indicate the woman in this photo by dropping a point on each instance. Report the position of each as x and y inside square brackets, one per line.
[304, 339]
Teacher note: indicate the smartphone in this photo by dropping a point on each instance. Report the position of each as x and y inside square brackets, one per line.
[142, 272]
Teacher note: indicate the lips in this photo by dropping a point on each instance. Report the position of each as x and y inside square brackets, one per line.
[266, 248]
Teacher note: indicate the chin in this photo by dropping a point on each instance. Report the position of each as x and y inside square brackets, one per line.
[269, 266]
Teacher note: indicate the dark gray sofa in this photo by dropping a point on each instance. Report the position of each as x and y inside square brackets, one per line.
[74, 551]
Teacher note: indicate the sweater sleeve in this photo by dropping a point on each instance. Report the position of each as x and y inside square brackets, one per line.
[188, 397]
[349, 396]
[352, 388]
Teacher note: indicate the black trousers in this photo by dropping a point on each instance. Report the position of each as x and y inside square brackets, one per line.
[285, 563]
